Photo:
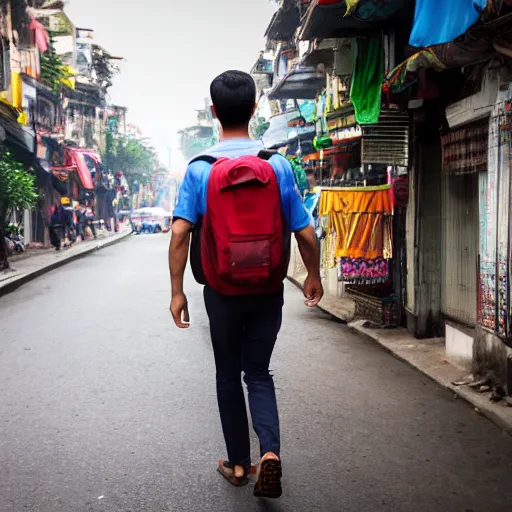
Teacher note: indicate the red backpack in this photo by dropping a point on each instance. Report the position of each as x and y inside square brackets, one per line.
[241, 245]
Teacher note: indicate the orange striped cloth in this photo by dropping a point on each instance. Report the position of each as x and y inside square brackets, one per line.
[361, 218]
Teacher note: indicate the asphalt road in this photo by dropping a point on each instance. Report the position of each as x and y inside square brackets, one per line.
[104, 406]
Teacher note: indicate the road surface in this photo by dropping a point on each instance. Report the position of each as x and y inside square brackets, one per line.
[106, 407]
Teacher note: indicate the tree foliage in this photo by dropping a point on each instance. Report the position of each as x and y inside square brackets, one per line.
[17, 190]
[17, 187]
[52, 68]
[104, 67]
[134, 157]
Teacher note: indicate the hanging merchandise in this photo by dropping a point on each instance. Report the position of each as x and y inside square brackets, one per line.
[399, 191]
[329, 245]
[351, 5]
[322, 114]
[366, 88]
[322, 142]
[442, 21]
[310, 201]
[301, 180]
[363, 271]
[361, 219]
[308, 110]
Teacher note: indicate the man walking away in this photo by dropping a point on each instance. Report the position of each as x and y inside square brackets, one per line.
[241, 204]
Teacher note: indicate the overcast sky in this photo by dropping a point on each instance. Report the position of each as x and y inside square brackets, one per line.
[173, 49]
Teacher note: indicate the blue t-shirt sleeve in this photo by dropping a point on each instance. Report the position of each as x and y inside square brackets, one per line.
[190, 194]
[294, 210]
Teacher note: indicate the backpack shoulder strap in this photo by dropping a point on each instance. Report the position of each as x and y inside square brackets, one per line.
[266, 154]
[204, 158]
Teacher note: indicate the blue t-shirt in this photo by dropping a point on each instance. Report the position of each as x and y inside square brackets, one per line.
[192, 196]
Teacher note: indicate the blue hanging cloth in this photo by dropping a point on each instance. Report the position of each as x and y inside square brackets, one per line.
[442, 21]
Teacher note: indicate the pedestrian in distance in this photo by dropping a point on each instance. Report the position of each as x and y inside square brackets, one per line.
[237, 209]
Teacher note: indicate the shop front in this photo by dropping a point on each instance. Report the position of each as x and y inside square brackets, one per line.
[358, 205]
[493, 335]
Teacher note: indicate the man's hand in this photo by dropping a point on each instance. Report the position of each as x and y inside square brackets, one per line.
[179, 311]
[313, 290]
[310, 251]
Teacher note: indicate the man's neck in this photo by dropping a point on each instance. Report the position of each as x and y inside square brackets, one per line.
[235, 133]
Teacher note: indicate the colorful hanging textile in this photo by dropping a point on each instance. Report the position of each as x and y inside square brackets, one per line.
[400, 79]
[351, 5]
[361, 219]
[310, 201]
[465, 150]
[365, 91]
[442, 21]
[301, 180]
[329, 244]
[363, 271]
[41, 35]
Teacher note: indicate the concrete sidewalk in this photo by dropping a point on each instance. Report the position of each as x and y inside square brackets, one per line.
[27, 268]
[427, 356]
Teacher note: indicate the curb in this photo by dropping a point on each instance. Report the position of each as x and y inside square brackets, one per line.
[17, 282]
[498, 414]
[481, 404]
[324, 304]
[320, 307]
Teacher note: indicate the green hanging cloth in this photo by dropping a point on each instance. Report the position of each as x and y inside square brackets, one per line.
[366, 88]
[301, 179]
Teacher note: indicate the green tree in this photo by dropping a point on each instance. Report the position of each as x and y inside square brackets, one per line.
[52, 67]
[133, 156]
[17, 190]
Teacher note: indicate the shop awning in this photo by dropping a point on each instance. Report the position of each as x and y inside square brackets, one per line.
[281, 129]
[479, 44]
[18, 139]
[75, 157]
[332, 21]
[301, 83]
[92, 158]
[284, 23]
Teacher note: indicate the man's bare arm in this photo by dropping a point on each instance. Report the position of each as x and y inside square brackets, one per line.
[310, 252]
[178, 255]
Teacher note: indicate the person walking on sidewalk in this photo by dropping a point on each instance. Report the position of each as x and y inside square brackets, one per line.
[241, 204]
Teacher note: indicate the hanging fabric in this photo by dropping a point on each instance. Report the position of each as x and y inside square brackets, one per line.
[442, 21]
[41, 36]
[363, 271]
[301, 180]
[361, 221]
[366, 88]
[351, 5]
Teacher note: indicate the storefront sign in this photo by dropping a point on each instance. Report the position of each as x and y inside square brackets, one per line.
[465, 151]
[494, 272]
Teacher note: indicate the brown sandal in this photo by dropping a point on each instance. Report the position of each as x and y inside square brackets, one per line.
[269, 480]
[225, 468]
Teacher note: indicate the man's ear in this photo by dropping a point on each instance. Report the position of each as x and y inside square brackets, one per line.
[254, 109]
[214, 113]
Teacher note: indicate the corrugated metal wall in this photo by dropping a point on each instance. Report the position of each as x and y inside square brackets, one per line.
[460, 222]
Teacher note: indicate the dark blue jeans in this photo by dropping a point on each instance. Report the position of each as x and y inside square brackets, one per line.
[244, 331]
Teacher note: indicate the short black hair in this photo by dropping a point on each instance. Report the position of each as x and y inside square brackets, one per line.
[233, 95]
